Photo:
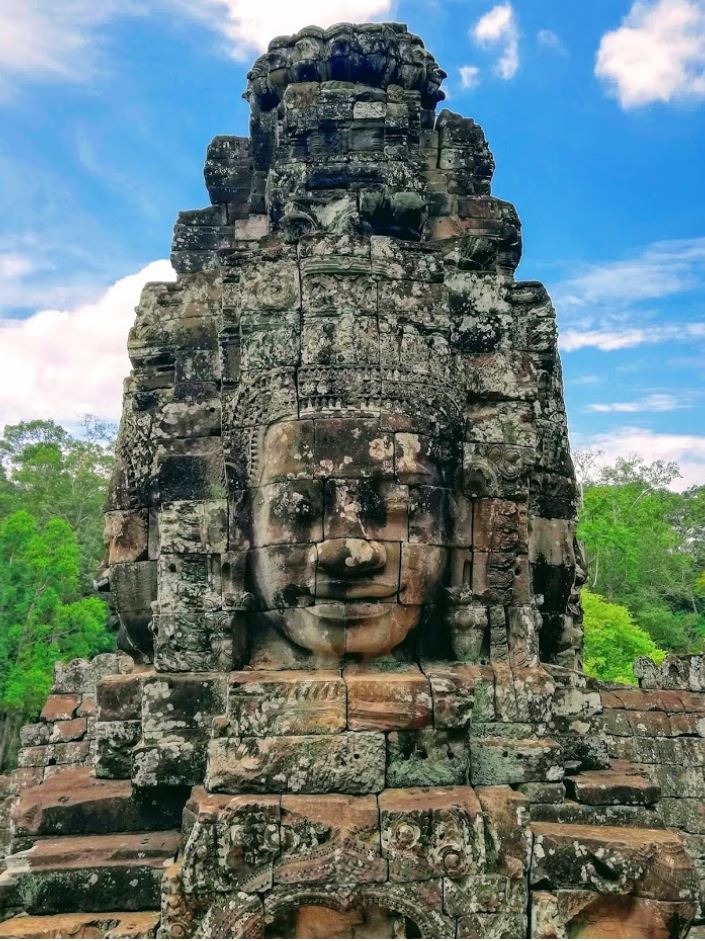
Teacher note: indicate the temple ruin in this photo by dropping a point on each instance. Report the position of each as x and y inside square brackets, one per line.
[348, 700]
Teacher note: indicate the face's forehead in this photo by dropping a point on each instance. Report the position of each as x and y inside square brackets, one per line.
[351, 448]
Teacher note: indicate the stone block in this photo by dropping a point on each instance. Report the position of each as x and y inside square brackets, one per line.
[197, 642]
[500, 526]
[426, 758]
[523, 694]
[176, 760]
[350, 763]
[119, 698]
[500, 578]
[270, 285]
[508, 839]
[191, 526]
[82, 925]
[58, 707]
[591, 914]
[484, 892]
[612, 860]
[263, 703]
[505, 761]
[598, 788]
[68, 730]
[419, 566]
[387, 701]
[36, 734]
[177, 702]
[232, 843]
[431, 831]
[126, 535]
[366, 509]
[367, 450]
[287, 512]
[113, 747]
[330, 838]
[96, 873]
[461, 693]
[287, 573]
[74, 802]
[189, 583]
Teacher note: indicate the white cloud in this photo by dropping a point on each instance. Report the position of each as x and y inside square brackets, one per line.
[498, 27]
[606, 339]
[62, 40]
[551, 40]
[657, 402]
[688, 451]
[469, 76]
[248, 25]
[657, 54]
[661, 269]
[63, 364]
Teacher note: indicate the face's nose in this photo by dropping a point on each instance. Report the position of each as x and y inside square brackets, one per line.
[351, 557]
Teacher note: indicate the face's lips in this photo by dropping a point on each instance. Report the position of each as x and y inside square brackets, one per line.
[346, 614]
[336, 589]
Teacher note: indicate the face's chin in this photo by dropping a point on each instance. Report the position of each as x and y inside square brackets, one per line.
[337, 628]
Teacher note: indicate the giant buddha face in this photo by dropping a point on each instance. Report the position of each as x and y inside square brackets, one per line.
[348, 533]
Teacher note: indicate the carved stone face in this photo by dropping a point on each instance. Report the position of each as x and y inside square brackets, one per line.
[348, 534]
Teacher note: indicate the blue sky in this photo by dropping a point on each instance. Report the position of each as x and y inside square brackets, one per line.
[595, 113]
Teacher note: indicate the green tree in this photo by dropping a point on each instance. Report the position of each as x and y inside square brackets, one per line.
[613, 641]
[55, 474]
[644, 546]
[42, 616]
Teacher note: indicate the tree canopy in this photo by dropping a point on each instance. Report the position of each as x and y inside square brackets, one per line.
[613, 640]
[52, 492]
[645, 547]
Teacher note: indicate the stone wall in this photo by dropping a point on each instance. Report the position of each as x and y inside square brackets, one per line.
[64, 735]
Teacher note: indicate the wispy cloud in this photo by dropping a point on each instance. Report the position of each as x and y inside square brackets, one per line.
[498, 29]
[656, 54]
[64, 363]
[621, 339]
[56, 40]
[661, 269]
[550, 40]
[688, 451]
[614, 305]
[469, 76]
[657, 402]
[590, 379]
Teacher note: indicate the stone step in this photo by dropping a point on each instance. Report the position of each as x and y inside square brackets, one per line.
[74, 802]
[619, 860]
[111, 871]
[82, 925]
[606, 815]
[601, 788]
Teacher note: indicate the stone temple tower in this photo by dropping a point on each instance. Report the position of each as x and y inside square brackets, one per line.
[341, 549]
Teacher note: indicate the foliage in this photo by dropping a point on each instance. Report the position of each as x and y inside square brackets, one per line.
[52, 494]
[645, 547]
[42, 616]
[52, 473]
[613, 640]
